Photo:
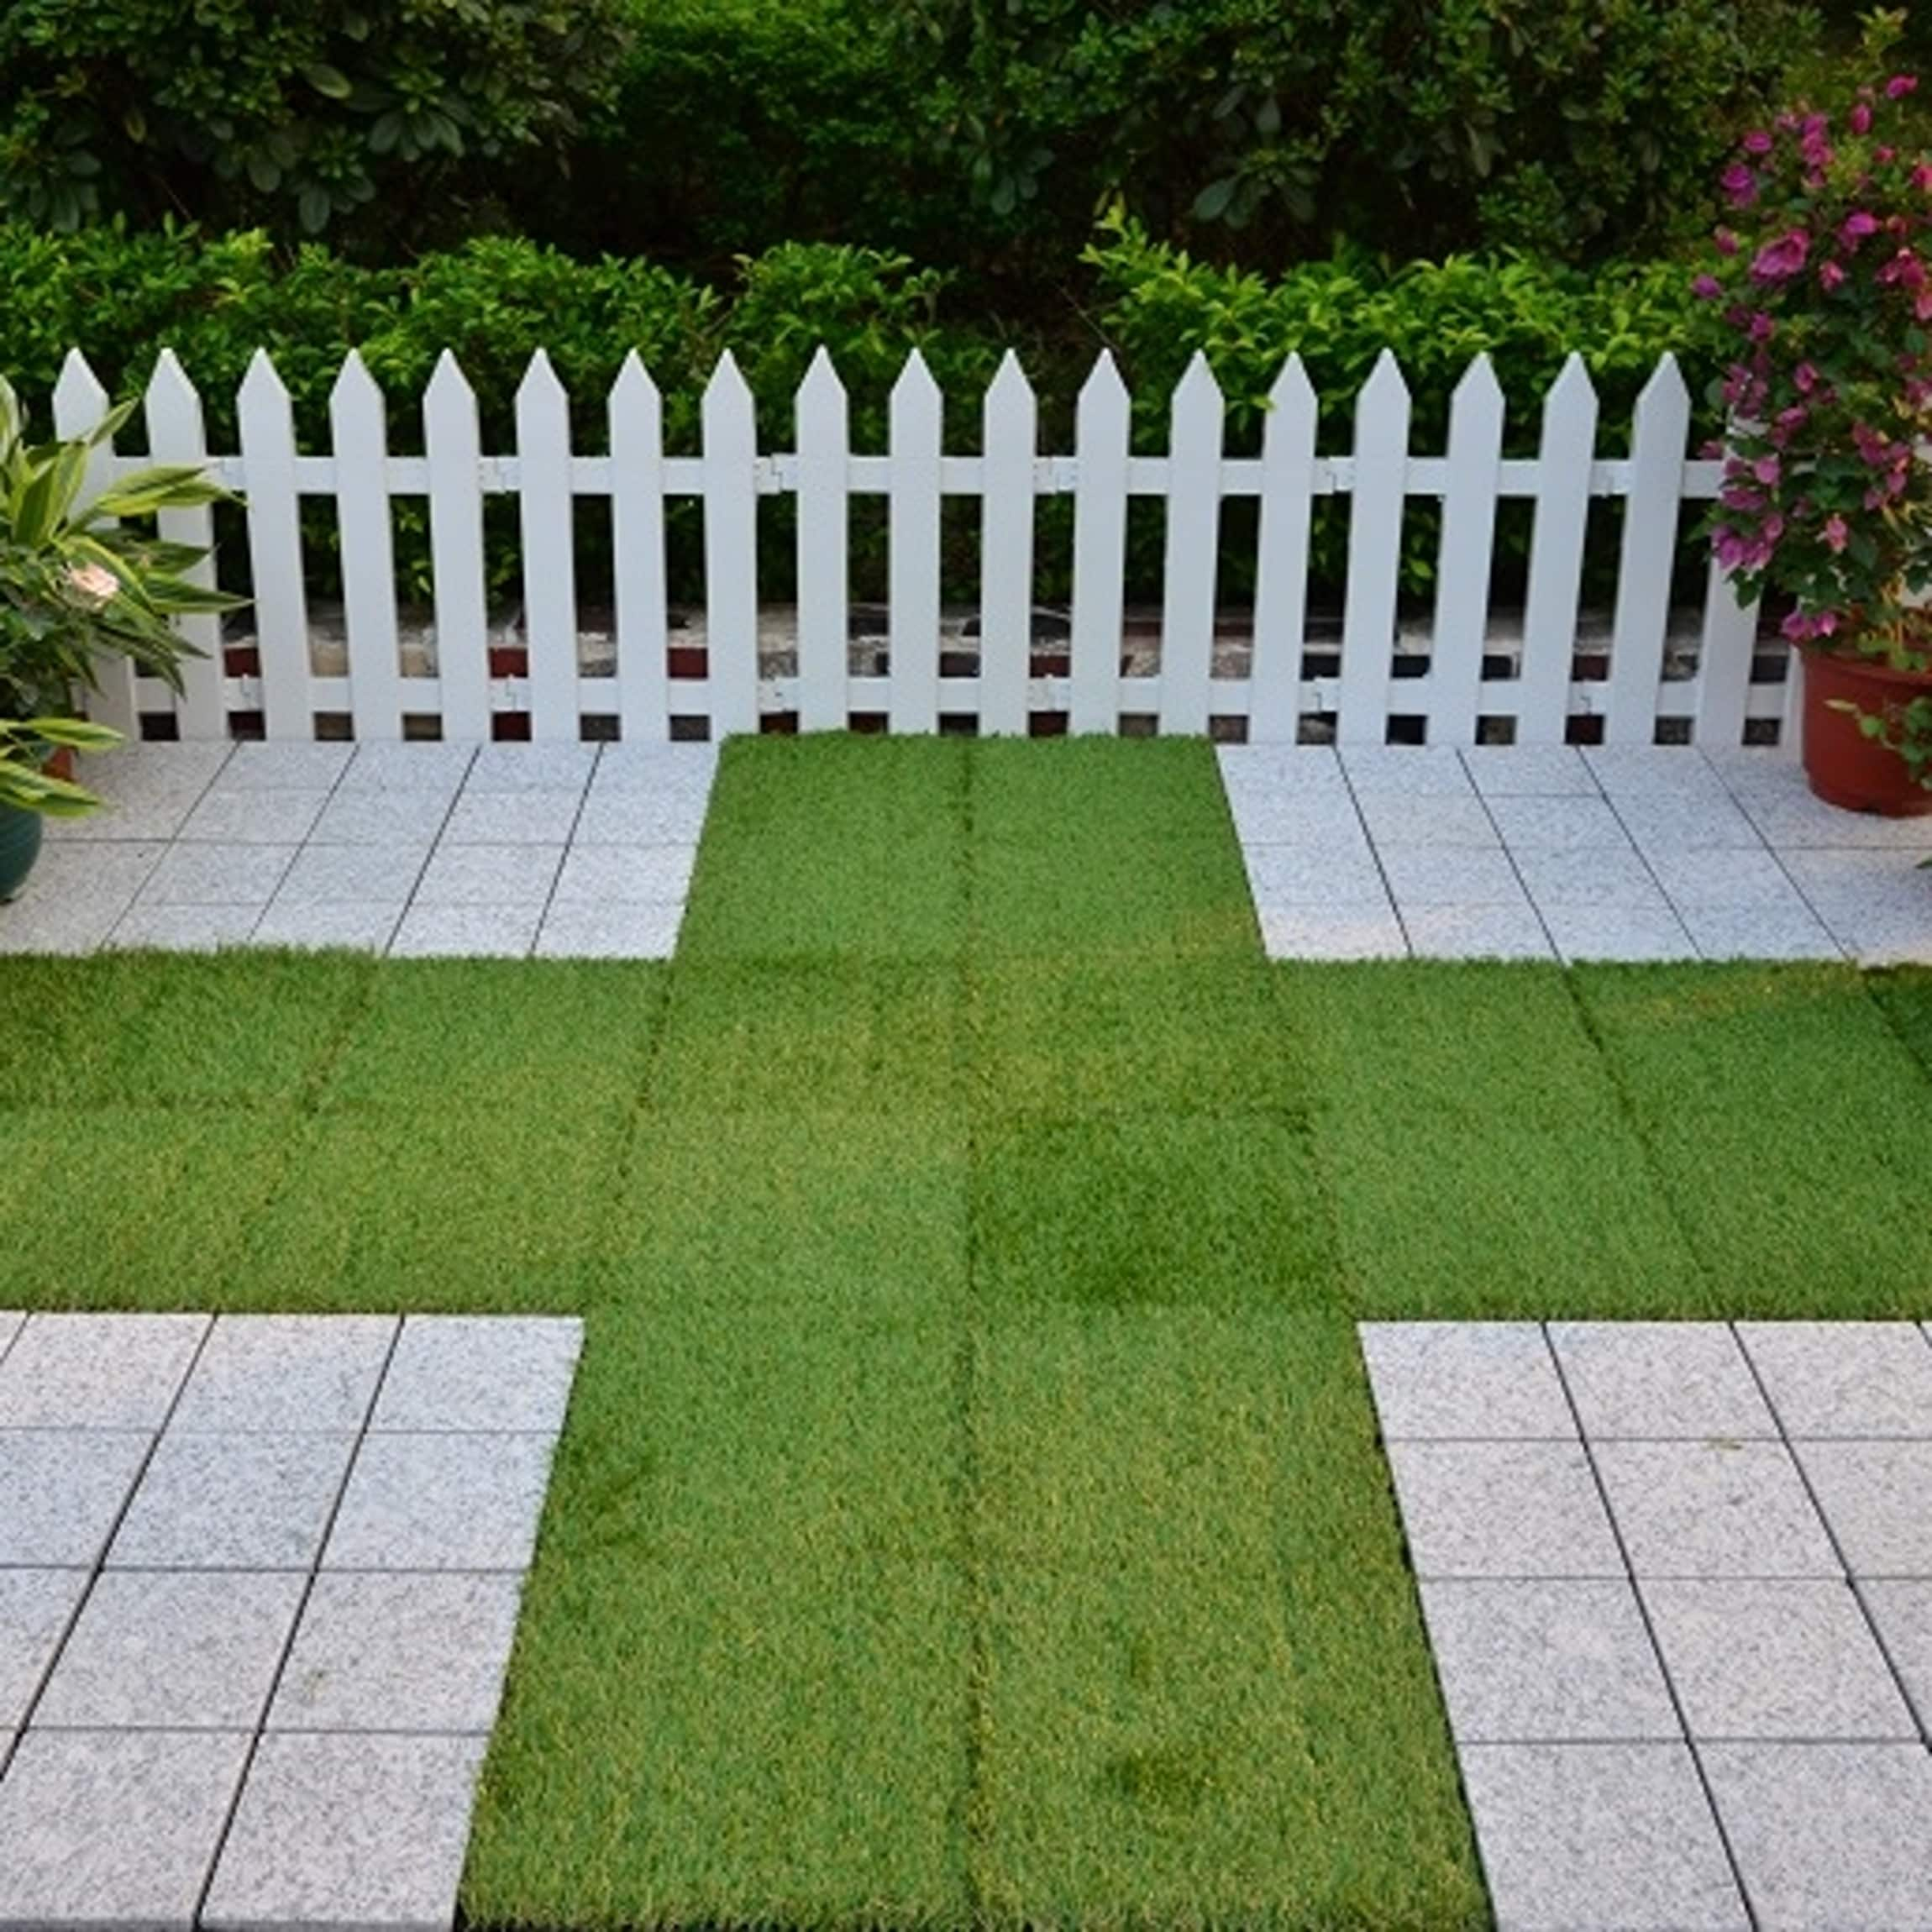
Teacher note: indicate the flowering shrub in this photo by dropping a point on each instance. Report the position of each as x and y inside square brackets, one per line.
[1826, 273]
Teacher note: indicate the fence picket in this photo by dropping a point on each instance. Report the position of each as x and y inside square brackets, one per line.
[731, 549]
[1467, 549]
[1100, 547]
[824, 570]
[1281, 587]
[1374, 554]
[1658, 432]
[637, 425]
[1568, 445]
[1724, 663]
[80, 403]
[546, 503]
[1193, 541]
[266, 419]
[918, 412]
[361, 440]
[177, 434]
[1009, 433]
[453, 444]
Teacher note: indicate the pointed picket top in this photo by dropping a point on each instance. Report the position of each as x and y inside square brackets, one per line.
[355, 389]
[916, 384]
[262, 387]
[169, 390]
[634, 388]
[821, 400]
[1664, 397]
[449, 388]
[1384, 397]
[1009, 411]
[1103, 394]
[1572, 396]
[1197, 388]
[1292, 389]
[1009, 380]
[1478, 393]
[727, 388]
[79, 399]
[542, 387]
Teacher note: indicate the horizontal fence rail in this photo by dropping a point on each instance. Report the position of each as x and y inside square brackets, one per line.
[1372, 683]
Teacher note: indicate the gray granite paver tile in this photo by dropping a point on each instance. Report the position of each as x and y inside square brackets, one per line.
[1711, 878]
[149, 790]
[364, 928]
[1521, 1509]
[62, 1489]
[1903, 1611]
[1530, 771]
[1614, 933]
[76, 896]
[1796, 819]
[1844, 1378]
[1828, 1834]
[610, 931]
[184, 928]
[489, 1373]
[517, 876]
[35, 1609]
[113, 1828]
[233, 1502]
[1400, 818]
[1714, 1508]
[1546, 1662]
[97, 1371]
[1475, 932]
[1660, 1380]
[1592, 1837]
[1666, 824]
[619, 817]
[1312, 932]
[279, 768]
[1426, 875]
[1590, 877]
[230, 818]
[1654, 771]
[409, 819]
[399, 1653]
[657, 768]
[1411, 771]
[1558, 824]
[353, 874]
[625, 875]
[512, 817]
[530, 768]
[395, 768]
[1288, 817]
[286, 1373]
[1267, 768]
[348, 1831]
[441, 1503]
[217, 875]
[11, 1321]
[179, 1651]
[1319, 877]
[1759, 932]
[466, 933]
[1467, 1381]
[1779, 1659]
[1877, 1497]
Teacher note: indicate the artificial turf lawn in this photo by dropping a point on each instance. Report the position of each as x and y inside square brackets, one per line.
[971, 1511]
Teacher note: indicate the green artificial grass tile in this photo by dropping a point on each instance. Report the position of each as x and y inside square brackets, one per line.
[558, 1039]
[832, 846]
[1771, 1099]
[1214, 1211]
[60, 1023]
[817, 1433]
[1904, 996]
[1133, 791]
[125, 1207]
[435, 1209]
[799, 1212]
[753, 1037]
[1072, 1036]
[745, 1739]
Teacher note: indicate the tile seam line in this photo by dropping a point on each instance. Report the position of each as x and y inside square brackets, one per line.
[1651, 871]
[1375, 850]
[1845, 951]
[259, 1729]
[1535, 905]
[1554, 1358]
[302, 845]
[1922, 1718]
[456, 792]
[95, 1569]
[564, 857]
[105, 943]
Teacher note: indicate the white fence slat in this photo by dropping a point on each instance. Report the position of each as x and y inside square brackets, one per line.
[1010, 437]
[1468, 544]
[1281, 587]
[1193, 537]
[1658, 432]
[918, 412]
[281, 596]
[453, 444]
[1564, 456]
[361, 440]
[731, 549]
[80, 402]
[1374, 554]
[824, 571]
[1724, 663]
[546, 506]
[636, 420]
[1791, 724]
[177, 434]
[1100, 548]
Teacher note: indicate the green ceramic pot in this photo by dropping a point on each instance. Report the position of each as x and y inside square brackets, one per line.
[19, 846]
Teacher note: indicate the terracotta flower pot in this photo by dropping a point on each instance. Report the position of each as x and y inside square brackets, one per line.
[1844, 767]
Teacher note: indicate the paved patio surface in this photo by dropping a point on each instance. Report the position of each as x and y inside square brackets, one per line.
[1677, 1579]
[1527, 853]
[259, 1579]
[566, 851]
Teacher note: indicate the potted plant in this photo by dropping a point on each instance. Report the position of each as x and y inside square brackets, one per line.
[79, 581]
[1826, 274]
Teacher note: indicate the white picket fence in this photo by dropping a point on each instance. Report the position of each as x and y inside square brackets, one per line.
[1276, 695]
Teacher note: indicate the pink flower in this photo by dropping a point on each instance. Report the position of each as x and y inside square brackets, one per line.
[1922, 177]
[1806, 377]
[92, 583]
[1860, 119]
[1900, 84]
[1762, 328]
[1801, 627]
[1856, 226]
[1707, 288]
[1756, 142]
[1835, 534]
[1780, 259]
[1831, 275]
[1723, 241]
[1740, 185]
[1766, 470]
